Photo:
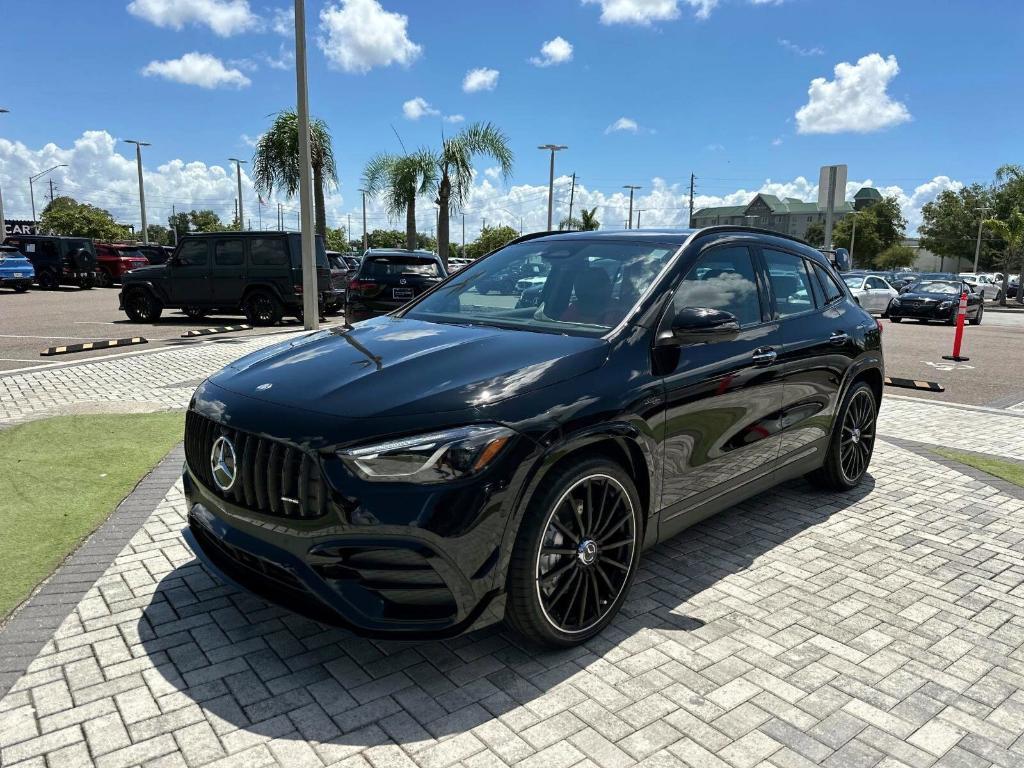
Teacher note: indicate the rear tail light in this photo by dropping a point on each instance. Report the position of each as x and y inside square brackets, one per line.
[298, 287]
[362, 286]
[879, 324]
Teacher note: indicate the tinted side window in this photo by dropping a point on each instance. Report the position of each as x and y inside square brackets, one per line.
[228, 253]
[875, 284]
[193, 253]
[790, 282]
[832, 289]
[721, 279]
[267, 252]
[819, 296]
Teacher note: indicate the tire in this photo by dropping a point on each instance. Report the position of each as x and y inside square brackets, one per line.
[21, 287]
[262, 308]
[104, 280]
[977, 318]
[895, 319]
[536, 607]
[923, 322]
[49, 281]
[857, 418]
[194, 313]
[142, 307]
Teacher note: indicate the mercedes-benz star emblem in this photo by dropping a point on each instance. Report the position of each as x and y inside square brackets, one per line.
[402, 281]
[587, 552]
[223, 463]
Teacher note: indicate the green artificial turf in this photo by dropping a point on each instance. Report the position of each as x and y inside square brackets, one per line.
[1012, 472]
[60, 478]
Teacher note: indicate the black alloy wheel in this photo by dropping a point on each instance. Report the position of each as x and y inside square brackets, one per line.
[576, 554]
[141, 307]
[104, 280]
[853, 441]
[48, 280]
[262, 309]
[194, 313]
[21, 287]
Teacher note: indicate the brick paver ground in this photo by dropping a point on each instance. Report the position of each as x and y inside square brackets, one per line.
[883, 627]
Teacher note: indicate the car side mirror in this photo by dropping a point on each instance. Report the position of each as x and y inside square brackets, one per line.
[700, 325]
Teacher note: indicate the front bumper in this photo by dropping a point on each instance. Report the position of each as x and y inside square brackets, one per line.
[24, 279]
[353, 567]
[922, 311]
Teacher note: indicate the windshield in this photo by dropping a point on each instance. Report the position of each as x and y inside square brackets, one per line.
[129, 253]
[562, 286]
[853, 281]
[937, 286]
[389, 266]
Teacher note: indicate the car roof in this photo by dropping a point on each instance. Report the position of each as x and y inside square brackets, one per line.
[400, 252]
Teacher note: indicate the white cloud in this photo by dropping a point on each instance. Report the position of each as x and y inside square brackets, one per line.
[777, 141]
[418, 107]
[644, 12]
[200, 69]
[493, 172]
[480, 79]
[358, 35]
[454, 118]
[623, 124]
[856, 101]
[250, 141]
[223, 17]
[285, 58]
[792, 47]
[283, 21]
[555, 51]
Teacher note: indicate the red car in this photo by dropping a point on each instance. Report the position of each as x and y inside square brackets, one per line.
[113, 260]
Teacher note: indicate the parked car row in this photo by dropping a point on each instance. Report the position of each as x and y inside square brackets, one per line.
[936, 299]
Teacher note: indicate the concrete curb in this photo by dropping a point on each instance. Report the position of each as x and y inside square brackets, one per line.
[34, 623]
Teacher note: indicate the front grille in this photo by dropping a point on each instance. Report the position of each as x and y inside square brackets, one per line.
[271, 477]
[224, 554]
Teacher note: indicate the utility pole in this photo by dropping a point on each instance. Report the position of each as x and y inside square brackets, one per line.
[572, 194]
[238, 176]
[236, 216]
[364, 219]
[31, 192]
[142, 189]
[551, 177]
[348, 233]
[51, 191]
[174, 223]
[692, 179]
[853, 236]
[3, 223]
[977, 246]
[631, 188]
[638, 212]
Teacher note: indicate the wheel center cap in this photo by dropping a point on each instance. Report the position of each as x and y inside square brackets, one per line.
[587, 552]
[856, 435]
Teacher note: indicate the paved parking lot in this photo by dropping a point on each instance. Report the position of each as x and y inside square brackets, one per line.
[33, 321]
[883, 627]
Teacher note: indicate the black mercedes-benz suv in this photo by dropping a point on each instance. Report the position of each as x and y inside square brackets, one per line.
[462, 460]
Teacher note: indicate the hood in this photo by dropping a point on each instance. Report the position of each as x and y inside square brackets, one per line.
[927, 296]
[147, 272]
[394, 366]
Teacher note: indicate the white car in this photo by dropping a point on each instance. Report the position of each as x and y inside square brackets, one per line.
[982, 284]
[529, 282]
[873, 292]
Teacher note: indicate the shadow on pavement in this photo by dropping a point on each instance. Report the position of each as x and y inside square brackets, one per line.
[277, 674]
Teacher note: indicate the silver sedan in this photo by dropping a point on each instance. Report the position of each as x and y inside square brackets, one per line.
[872, 291]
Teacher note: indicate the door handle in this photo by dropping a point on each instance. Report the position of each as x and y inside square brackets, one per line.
[764, 356]
[838, 338]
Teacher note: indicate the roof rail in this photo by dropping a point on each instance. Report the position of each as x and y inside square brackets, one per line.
[755, 230]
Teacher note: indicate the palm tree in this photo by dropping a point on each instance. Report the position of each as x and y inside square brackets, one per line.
[588, 219]
[402, 179]
[1010, 232]
[455, 164]
[276, 161]
[570, 223]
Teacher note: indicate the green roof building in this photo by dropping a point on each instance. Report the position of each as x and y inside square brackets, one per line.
[787, 215]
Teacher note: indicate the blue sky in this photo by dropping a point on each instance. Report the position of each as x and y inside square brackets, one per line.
[708, 86]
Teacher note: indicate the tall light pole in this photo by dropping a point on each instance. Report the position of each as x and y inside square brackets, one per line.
[31, 192]
[238, 176]
[977, 247]
[3, 224]
[631, 188]
[142, 189]
[364, 219]
[310, 308]
[551, 177]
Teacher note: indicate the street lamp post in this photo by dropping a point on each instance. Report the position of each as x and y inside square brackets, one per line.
[363, 191]
[238, 176]
[31, 192]
[551, 177]
[310, 309]
[3, 224]
[631, 188]
[142, 189]
[977, 246]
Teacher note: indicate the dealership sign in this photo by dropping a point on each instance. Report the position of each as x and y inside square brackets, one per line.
[19, 227]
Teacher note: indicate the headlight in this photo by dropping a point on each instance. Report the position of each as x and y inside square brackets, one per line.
[895, 302]
[432, 458]
[946, 305]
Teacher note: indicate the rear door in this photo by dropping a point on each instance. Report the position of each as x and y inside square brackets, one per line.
[228, 273]
[189, 275]
[818, 346]
[878, 291]
[722, 398]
